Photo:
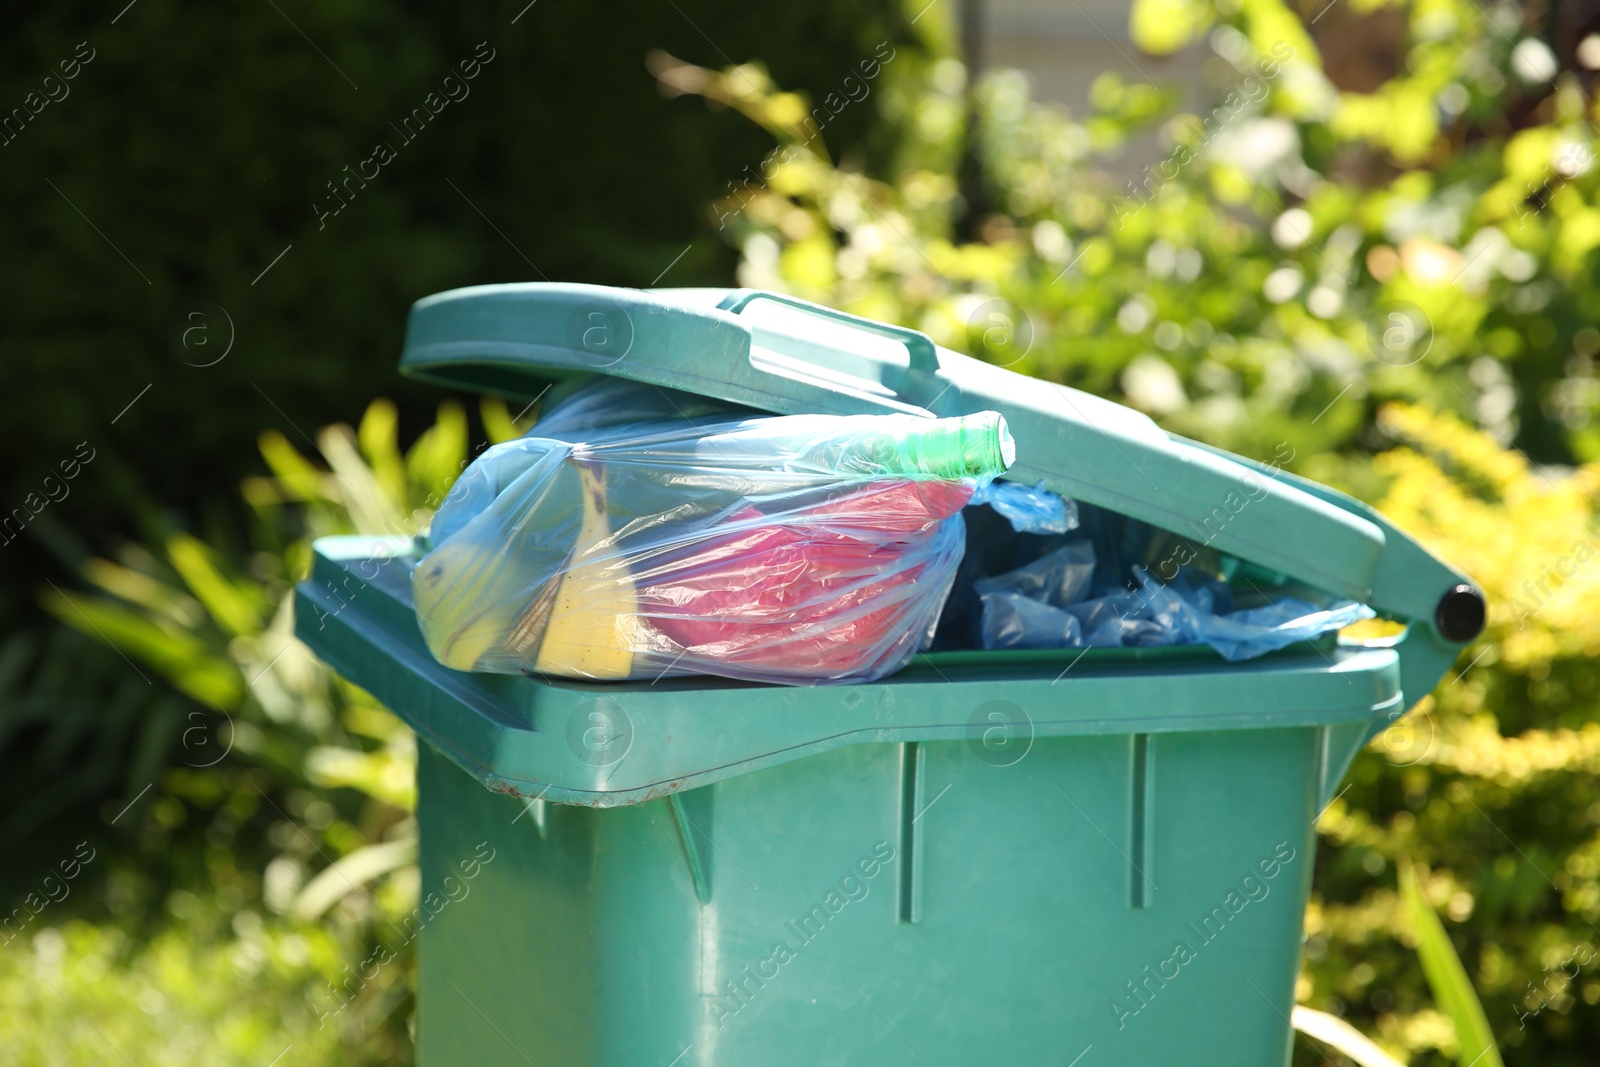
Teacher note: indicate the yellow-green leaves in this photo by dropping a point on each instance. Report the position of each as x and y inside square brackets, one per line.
[438, 457]
[350, 872]
[177, 655]
[298, 479]
[1162, 27]
[379, 436]
[231, 605]
[1452, 989]
[1340, 1035]
[372, 509]
[498, 423]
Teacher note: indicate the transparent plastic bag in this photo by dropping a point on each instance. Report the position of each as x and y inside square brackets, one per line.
[797, 549]
[1066, 599]
[1189, 615]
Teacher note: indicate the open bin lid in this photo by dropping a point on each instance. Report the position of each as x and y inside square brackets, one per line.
[780, 354]
[776, 353]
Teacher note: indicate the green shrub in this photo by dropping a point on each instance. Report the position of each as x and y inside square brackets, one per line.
[1249, 298]
[283, 837]
[214, 991]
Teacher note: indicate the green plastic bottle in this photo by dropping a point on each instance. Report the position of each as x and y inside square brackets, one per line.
[973, 446]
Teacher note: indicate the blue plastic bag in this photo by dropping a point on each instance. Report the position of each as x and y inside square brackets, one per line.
[1026, 608]
[1248, 633]
[1065, 600]
[1029, 508]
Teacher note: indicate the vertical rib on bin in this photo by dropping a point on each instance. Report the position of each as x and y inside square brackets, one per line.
[1141, 822]
[913, 761]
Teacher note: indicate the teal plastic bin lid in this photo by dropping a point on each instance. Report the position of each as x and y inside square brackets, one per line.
[777, 353]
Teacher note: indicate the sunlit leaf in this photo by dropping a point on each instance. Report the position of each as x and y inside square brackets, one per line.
[183, 659]
[301, 480]
[498, 422]
[138, 588]
[1341, 1036]
[379, 438]
[227, 603]
[349, 873]
[372, 509]
[1162, 27]
[387, 774]
[1447, 977]
[438, 457]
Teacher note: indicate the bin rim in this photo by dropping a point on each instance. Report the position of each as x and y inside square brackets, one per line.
[520, 734]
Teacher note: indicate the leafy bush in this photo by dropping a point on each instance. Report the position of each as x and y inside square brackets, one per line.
[1489, 781]
[1236, 300]
[294, 789]
[190, 994]
[1392, 283]
[1389, 280]
[206, 189]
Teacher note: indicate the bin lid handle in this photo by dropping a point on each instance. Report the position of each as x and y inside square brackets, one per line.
[923, 353]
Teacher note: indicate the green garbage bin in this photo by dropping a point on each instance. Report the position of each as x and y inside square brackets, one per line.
[1079, 858]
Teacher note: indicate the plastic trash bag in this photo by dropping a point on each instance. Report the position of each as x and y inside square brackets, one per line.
[797, 549]
[1064, 600]
[1188, 614]
[1057, 579]
[1029, 509]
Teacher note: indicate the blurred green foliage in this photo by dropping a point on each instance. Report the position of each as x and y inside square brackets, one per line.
[195, 993]
[279, 846]
[1241, 283]
[1390, 276]
[165, 176]
[1392, 282]
[186, 155]
[1490, 781]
